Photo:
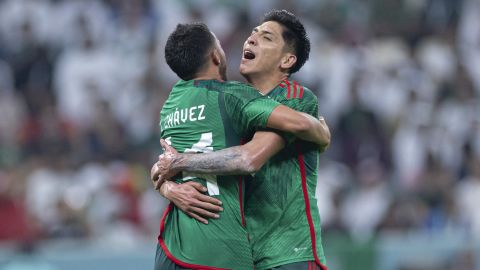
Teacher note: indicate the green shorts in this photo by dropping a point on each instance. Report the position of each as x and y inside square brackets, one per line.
[162, 262]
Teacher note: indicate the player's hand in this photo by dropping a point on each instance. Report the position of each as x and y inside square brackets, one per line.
[154, 172]
[322, 148]
[188, 197]
[164, 164]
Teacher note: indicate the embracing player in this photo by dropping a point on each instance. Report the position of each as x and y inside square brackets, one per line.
[205, 113]
[281, 211]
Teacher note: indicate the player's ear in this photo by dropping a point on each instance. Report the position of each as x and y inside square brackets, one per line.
[216, 58]
[288, 60]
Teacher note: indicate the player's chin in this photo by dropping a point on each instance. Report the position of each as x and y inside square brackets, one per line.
[244, 69]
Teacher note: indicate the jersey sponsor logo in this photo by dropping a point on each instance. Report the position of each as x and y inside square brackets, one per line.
[181, 116]
[297, 249]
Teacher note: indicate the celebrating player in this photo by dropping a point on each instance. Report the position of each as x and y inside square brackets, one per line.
[204, 113]
[275, 49]
[281, 211]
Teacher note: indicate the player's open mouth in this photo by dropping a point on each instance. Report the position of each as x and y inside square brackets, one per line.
[249, 55]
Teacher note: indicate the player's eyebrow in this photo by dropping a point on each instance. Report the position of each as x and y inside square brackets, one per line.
[263, 31]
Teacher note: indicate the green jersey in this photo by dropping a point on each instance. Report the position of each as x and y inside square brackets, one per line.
[280, 206]
[204, 116]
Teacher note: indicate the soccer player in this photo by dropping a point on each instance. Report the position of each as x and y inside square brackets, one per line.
[281, 211]
[204, 113]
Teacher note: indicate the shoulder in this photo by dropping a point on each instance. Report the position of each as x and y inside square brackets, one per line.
[295, 90]
[234, 86]
[239, 90]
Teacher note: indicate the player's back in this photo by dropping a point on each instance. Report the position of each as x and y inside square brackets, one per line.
[281, 209]
[204, 116]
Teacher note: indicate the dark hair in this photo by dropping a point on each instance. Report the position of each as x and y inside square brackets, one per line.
[187, 49]
[294, 35]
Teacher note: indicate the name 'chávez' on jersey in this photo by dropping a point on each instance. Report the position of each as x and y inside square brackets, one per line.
[205, 116]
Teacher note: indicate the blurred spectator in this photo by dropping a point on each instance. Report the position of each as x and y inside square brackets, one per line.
[404, 214]
[15, 222]
[435, 186]
[368, 201]
[360, 134]
[467, 195]
[84, 77]
[13, 112]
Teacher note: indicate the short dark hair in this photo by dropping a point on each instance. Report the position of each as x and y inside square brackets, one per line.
[187, 49]
[294, 35]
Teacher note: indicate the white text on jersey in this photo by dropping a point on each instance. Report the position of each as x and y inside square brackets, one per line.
[195, 113]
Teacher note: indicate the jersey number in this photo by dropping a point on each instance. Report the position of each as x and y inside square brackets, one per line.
[204, 145]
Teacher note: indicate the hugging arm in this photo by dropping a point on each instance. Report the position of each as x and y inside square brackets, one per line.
[302, 125]
[188, 196]
[243, 159]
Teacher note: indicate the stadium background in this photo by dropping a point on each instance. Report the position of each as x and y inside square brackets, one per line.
[82, 82]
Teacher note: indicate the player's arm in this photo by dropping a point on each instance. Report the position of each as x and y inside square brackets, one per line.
[244, 159]
[302, 125]
[188, 196]
[261, 112]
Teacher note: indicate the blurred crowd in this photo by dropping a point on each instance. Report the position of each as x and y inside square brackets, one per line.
[82, 83]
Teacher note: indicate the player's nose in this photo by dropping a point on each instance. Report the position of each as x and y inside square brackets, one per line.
[251, 40]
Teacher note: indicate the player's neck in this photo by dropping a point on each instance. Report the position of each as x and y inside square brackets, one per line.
[265, 83]
[209, 73]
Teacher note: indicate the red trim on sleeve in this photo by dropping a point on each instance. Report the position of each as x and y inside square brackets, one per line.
[240, 188]
[240, 198]
[170, 256]
[295, 89]
[282, 85]
[303, 174]
[288, 91]
[301, 92]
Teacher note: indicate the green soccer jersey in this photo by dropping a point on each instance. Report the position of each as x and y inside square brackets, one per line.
[205, 116]
[280, 206]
